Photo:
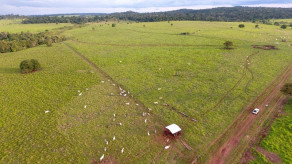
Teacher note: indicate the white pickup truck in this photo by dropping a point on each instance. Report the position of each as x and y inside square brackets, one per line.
[256, 111]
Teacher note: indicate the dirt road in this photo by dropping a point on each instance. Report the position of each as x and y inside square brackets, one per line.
[246, 119]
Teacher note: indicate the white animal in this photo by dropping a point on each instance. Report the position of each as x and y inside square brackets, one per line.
[148, 133]
[101, 158]
[114, 119]
[149, 109]
[79, 91]
[137, 104]
[114, 138]
[87, 89]
[125, 95]
[145, 120]
[159, 89]
[85, 106]
[122, 151]
[114, 84]
[80, 94]
[127, 103]
[47, 111]
[120, 123]
[105, 149]
[114, 115]
[155, 103]
[167, 147]
[102, 81]
[155, 131]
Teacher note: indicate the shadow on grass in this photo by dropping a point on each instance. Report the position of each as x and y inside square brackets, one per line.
[9, 70]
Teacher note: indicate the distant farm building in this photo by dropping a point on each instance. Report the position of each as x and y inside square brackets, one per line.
[172, 130]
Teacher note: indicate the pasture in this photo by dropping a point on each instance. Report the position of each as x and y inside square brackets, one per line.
[192, 73]
[15, 26]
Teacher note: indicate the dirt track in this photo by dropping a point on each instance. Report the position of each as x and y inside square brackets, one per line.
[246, 119]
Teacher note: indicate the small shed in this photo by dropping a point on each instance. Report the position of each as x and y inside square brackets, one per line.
[173, 130]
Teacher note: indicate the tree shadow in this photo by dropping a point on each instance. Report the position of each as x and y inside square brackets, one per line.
[9, 70]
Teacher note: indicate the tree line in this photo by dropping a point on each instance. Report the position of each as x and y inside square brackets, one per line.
[227, 14]
[12, 42]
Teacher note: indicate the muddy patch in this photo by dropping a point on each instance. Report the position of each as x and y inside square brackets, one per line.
[265, 47]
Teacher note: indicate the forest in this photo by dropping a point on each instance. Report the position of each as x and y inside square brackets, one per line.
[225, 14]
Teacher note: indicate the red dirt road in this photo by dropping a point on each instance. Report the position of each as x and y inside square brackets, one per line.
[246, 119]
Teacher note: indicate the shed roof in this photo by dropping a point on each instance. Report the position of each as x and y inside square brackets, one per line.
[173, 128]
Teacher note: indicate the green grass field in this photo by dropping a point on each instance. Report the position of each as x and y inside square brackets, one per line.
[15, 26]
[192, 73]
[145, 59]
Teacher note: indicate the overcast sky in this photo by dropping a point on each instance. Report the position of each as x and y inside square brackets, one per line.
[39, 7]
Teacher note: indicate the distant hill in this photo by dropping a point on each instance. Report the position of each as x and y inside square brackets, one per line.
[227, 14]
[215, 14]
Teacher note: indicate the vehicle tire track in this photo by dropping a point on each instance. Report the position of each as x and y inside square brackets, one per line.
[245, 70]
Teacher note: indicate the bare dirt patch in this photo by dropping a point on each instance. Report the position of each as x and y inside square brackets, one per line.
[265, 47]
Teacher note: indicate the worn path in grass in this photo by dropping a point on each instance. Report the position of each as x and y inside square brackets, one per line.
[246, 119]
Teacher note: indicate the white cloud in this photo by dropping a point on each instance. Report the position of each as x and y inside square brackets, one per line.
[272, 5]
[7, 9]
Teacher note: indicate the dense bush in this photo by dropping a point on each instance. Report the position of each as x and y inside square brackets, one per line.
[284, 26]
[28, 66]
[241, 25]
[16, 42]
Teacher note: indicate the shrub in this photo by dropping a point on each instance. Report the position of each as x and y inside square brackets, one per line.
[284, 26]
[287, 89]
[113, 25]
[28, 66]
[185, 33]
[277, 24]
[256, 26]
[241, 26]
[228, 44]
